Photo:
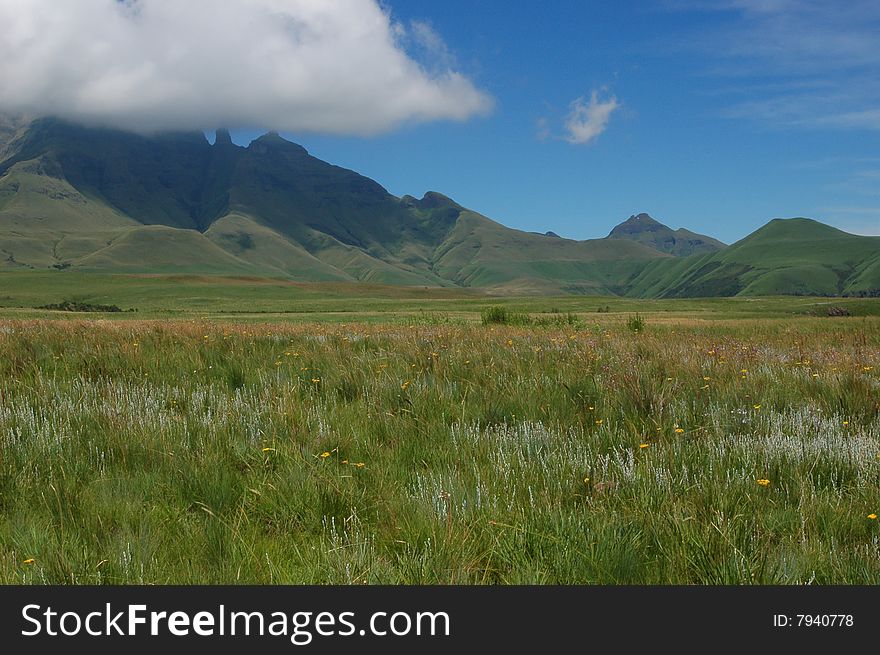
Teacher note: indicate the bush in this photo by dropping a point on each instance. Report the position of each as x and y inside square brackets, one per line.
[496, 315]
[559, 320]
[75, 306]
[635, 323]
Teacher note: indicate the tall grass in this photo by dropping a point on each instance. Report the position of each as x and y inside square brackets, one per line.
[189, 452]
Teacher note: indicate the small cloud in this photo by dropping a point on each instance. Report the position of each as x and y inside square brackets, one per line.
[587, 120]
[542, 126]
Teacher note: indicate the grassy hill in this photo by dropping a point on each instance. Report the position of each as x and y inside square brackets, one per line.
[797, 256]
[482, 253]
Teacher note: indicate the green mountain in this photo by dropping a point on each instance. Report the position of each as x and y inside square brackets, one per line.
[89, 199]
[796, 256]
[652, 233]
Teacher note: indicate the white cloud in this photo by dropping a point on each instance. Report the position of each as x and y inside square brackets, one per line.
[586, 121]
[335, 66]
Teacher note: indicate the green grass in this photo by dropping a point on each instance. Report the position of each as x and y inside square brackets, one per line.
[273, 299]
[192, 451]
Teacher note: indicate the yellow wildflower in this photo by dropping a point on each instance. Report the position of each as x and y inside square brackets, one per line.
[764, 482]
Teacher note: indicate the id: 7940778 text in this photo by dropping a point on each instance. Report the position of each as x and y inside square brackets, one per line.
[813, 621]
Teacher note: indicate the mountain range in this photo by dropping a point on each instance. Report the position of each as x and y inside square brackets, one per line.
[91, 199]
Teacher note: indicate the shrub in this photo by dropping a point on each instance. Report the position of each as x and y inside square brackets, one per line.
[75, 306]
[496, 315]
[635, 323]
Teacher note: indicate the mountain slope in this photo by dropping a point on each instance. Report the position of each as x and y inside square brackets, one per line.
[12, 128]
[480, 252]
[681, 243]
[796, 256]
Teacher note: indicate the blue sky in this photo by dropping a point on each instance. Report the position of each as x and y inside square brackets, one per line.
[727, 114]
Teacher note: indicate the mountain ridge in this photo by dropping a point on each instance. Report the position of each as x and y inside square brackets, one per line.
[81, 198]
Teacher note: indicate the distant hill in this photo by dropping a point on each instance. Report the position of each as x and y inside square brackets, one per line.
[647, 231]
[77, 198]
[797, 256]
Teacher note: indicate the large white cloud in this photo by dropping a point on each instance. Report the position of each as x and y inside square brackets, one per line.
[336, 66]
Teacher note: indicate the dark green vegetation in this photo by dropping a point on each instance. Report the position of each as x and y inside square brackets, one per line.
[82, 307]
[729, 452]
[80, 199]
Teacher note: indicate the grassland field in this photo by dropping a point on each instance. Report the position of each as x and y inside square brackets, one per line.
[260, 431]
[269, 299]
